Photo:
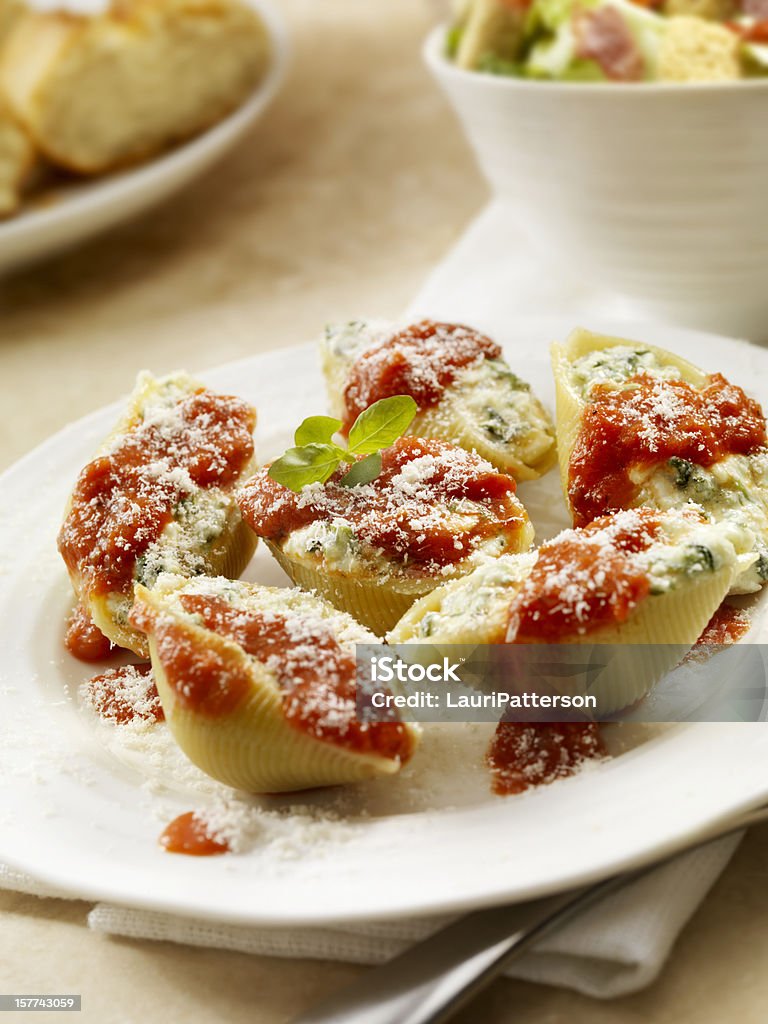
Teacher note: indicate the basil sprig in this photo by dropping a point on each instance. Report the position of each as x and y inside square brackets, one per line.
[317, 456]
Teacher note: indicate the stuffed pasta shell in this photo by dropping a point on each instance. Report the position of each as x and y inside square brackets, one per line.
[640, 426]
[464, 389]
[372, 549]
[158, 497]
[639, 577]
[258, 685]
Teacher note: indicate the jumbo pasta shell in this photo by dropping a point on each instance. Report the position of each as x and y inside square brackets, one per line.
[529, 456]
[249, 745]
[570, 405]
[654, 640]
[430, 515]
[519, 439]
[470, 610]
[648, 644]
[209, 537]
[228, 557]
[734, 488]
[376, 603]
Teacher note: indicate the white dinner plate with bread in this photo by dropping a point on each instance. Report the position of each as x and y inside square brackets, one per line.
[107, 110]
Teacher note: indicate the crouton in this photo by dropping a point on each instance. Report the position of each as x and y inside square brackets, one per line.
[694, 50]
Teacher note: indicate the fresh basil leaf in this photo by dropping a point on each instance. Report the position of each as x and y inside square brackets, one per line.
[316, 430]
[313, 463]
[381, 424]
[364, 471]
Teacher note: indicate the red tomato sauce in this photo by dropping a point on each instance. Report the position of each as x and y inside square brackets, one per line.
[125, 694]
[123, 500]
[727, 626]
[317, 676]
[205, 679]
[757, 32]
[407, 519]
[421, 361]
[189, 834]
[648, 422]
[84, 639]
[526, 754]
[584, 579]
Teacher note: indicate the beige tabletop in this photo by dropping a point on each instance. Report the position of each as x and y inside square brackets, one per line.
[354, 184]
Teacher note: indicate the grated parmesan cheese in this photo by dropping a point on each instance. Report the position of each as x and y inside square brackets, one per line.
[432, 504]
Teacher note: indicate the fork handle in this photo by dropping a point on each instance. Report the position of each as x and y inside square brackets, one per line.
[431, 981]
[452, 965]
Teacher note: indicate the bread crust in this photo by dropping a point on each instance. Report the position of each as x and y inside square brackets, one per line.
[96, 94]
[18, 161]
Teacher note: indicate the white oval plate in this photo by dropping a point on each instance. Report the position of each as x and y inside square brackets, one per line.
[85, 818]
[82, 210]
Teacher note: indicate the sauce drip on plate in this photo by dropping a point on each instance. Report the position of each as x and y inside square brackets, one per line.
[526, 754]
[83, 639]
[189, 834]
[125, 694]
[727, 626]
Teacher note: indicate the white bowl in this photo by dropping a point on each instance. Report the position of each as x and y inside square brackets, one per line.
[88, 207]
[658, 192]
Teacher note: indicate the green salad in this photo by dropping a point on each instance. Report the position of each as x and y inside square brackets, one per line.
[612, 40]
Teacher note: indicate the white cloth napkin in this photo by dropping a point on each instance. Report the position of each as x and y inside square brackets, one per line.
[618, 946]
[492, 274]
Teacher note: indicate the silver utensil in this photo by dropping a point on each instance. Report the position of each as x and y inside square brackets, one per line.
[431, 980]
